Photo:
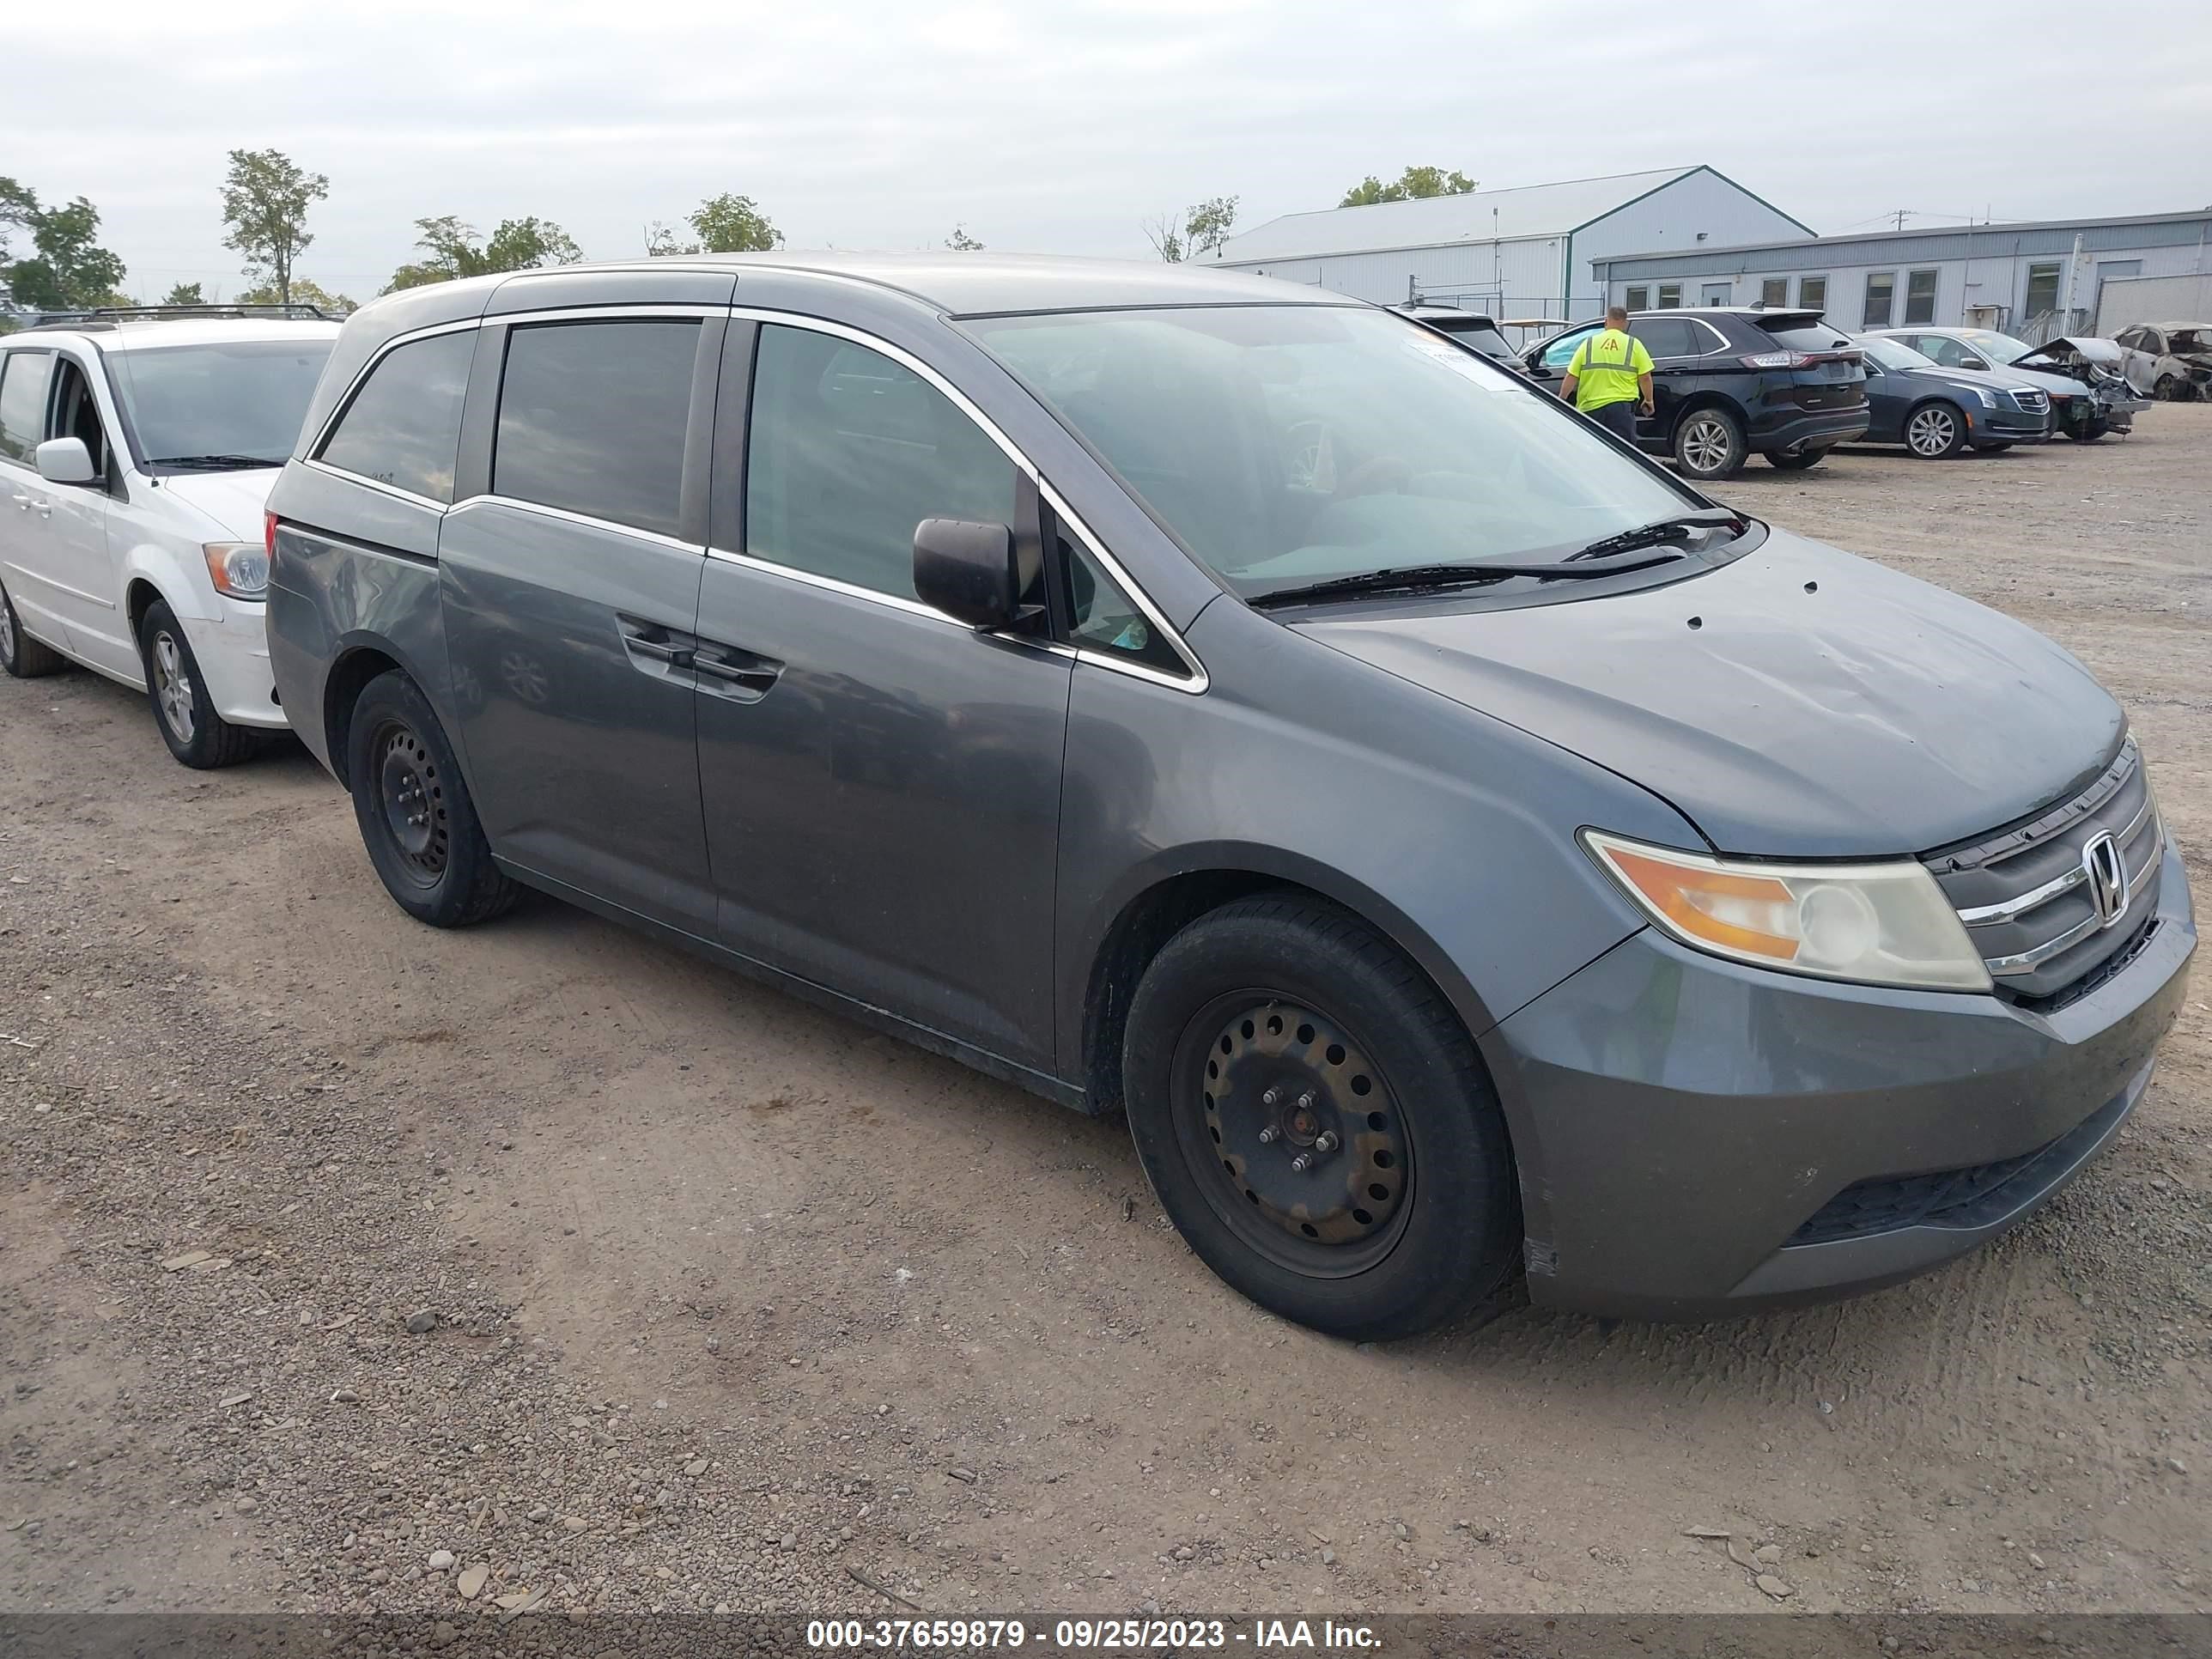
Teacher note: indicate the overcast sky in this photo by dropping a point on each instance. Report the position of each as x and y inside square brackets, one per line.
[1059, 126]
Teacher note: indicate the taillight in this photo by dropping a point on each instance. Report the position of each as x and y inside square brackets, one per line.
[269, 533]
[1776, 360]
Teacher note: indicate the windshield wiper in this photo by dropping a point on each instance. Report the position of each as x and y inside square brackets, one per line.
[1437, 578]
[213, 462]
[1676, 529]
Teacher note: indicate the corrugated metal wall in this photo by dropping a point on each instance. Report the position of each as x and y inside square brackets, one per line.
[1528, 268]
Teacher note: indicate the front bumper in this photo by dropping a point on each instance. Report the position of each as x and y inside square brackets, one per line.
[2006, 426]
[1698, 1139]
[232, 649]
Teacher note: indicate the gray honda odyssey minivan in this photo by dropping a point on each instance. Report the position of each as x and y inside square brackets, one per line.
[1469, 856]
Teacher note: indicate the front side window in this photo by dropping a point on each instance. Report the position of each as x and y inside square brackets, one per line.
[235, 403]
[1286, 444]
[76, 414]
[1813, 293]
[404, 425]
[1880, 296]
[1920, 297]
[1637, 298]
[24, 378]
[848, 451]
[1561, 351]
[592, 418]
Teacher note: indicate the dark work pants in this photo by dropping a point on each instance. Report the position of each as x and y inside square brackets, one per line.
[1620, 418]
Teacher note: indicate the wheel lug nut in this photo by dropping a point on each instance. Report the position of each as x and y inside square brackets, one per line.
[1272, 1097]
[1302, 1163]
[1267, 1133]
[1306, 1100]
[1326, 1141]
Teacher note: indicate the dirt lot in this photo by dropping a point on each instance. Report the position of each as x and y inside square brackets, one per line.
[735, 1303]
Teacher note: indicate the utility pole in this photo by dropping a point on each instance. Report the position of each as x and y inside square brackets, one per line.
[1900, 217]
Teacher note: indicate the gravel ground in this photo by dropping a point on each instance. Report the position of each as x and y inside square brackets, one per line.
[348, 1265]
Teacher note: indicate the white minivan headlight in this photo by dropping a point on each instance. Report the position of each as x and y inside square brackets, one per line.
[239, 569]
[1876, 924]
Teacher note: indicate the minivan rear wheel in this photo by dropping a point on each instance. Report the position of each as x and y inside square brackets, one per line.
[417, 819]
[1317, 1124]
[23, 657]
[1708, 444]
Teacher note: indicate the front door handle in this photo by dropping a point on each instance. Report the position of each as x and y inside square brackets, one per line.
[22, 503]
[743, 675]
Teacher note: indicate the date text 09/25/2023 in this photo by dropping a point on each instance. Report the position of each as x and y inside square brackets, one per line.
[1092, 1635]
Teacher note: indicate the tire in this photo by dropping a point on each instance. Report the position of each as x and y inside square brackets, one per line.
[1992, 449]
[184, 714]
[1803, 461]
[23, 657]
[1708, 444]
[1413, 1218]
[2169, 389]
[2089, 431]
[417, 820]
[1934, 430]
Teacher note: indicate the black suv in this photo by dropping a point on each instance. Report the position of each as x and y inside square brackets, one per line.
[1732, 381]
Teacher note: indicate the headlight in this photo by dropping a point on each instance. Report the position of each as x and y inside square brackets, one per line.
[240, 569]
[1876, 924]
[1988, 397]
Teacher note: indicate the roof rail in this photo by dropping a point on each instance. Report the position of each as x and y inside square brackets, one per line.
[108, 316]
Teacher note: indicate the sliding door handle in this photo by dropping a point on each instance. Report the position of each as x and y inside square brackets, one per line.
[667, 651]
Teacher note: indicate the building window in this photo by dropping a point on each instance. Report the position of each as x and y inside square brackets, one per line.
[2042, 290]
[1813, 293]
[1637, 298]
[1670, 295]
[1920, 297]
[1880, 296]
[1774, 291]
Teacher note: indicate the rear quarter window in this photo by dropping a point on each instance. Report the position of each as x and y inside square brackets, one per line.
[402, 426]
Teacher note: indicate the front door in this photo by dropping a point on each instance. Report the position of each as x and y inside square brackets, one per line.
[98, 625]
[881, 783]
[570, 592]
[30, 551]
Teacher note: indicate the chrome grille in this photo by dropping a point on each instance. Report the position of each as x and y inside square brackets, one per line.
[2033, 402]
[2029, 895]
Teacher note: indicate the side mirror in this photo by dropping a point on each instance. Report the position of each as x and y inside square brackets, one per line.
[1975, 362]
[65, 461]
[967, 570]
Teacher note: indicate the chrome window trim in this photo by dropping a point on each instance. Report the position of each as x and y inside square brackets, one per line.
[311, 451]
[378, 486]
[589, 521]
[1195, 685]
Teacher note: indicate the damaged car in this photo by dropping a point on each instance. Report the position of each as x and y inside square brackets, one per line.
[2170, 362]
[2089, 394]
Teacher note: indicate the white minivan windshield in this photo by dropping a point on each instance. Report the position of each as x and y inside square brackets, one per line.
[232, 404]
[1288, 445]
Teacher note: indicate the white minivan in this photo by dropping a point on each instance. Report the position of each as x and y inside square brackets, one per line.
[137, 450]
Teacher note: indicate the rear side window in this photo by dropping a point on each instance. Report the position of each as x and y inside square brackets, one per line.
[1666, 337]
[592, 418]
[404, 425]
[24, 376]
[848, 451]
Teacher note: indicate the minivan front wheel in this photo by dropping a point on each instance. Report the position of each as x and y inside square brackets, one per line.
[1708, 444]
[417, 819]
[1316, 1123]
[184, 711]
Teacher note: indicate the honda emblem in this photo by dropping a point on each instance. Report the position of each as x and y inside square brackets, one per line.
[2107, 872]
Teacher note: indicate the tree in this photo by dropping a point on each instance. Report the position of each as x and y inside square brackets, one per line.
[67, 269]
[184, 294]
[732, 224]
[454, 250]
[1414, 183]
[265, 199]
[306, 291]
[1204, 227]
[961, 242]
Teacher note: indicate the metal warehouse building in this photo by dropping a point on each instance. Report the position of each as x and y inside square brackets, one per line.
[2033, 280]
[1511, 253]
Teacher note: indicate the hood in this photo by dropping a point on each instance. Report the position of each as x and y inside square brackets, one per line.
[2071, 354]
[1996, 379]
[235, 501]
[1873, 716]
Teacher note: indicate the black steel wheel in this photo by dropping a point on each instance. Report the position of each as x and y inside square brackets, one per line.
[1307, 1156]
[417, 819]
[1317, 1124]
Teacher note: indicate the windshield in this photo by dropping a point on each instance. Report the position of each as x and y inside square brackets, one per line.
[2189, 339]
[1286, 444]
[1999, 348]
[242, 398]
[1891, 353]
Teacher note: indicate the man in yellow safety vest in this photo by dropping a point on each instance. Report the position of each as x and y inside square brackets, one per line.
[1609, 377]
